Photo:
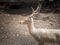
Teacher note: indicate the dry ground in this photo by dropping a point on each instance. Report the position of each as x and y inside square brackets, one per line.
[14, 33]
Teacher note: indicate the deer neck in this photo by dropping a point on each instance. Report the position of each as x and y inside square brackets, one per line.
[31, 25]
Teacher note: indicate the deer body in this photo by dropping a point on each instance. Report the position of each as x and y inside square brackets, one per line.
[41, 35]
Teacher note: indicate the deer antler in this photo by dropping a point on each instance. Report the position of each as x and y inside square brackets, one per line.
[38, 8]
[35, 11]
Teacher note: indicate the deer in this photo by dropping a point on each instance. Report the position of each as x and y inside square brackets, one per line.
[40, 35]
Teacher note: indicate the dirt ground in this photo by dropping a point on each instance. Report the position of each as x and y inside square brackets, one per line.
[14, 33]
